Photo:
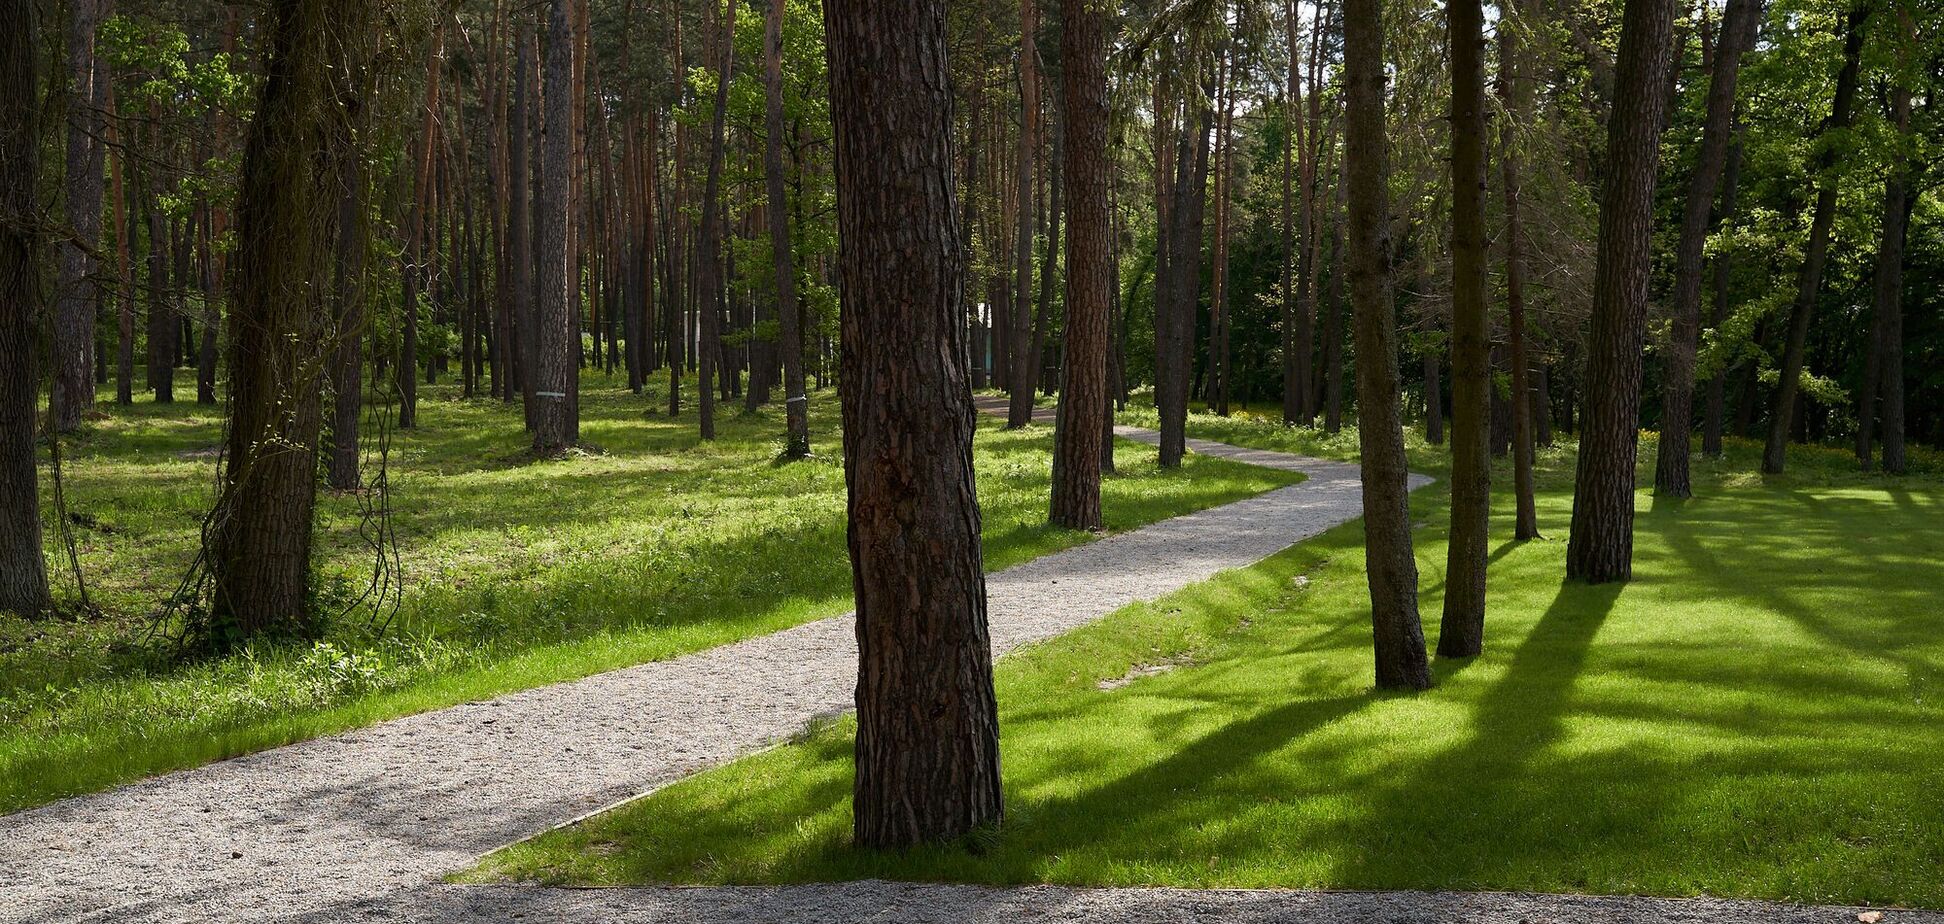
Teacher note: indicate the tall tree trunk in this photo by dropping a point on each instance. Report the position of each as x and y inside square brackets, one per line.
[23, 571]
[286, 218]
[519, 233]
[1049, 265]
[1190, 191]
[1333, 317]
[1023, 379]
[423, 201]
[74, 312]
[929, 773]
[124, 272]
[1600, 547]
[796, 434]
[1671, 474]
[1515, 89]
[1397, 636]
[1084, 400]
[709, 241]
[1711, 420]
[163, 327]
[1809, 280]
[1462, 631]
[1219, 321]
[347, 365]
[1888, 302]
[556, 347]
[1295, 357]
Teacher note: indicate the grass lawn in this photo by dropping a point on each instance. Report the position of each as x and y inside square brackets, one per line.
[516, 573]
[1760, 713]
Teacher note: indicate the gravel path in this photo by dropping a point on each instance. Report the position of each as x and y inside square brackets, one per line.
[360, 826]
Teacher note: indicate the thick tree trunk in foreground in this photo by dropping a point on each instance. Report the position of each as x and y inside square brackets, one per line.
[1600, 547]
[1022, 378]
[1462, 631]
[556, 348]
[927, 746]
[23, 572]
[286, 225]
[74, 311]
[1671, 473]
[1083, 371]
[796, 434]
[1391, 570]
[1809, 280]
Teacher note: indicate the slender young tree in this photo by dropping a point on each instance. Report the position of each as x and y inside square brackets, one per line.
[1671, 471]
[300, 143]
[927, 748]
[1022, 378]
[1516, 93]
[1398, 637]
[1462, 632]
[1600, 547]
[23, 572]
[796, 437]
[415, 266]
[74, 311]
[556, 347]
[1088, 169]
[519, 221]
[1294, 358]
[1809, 279]
[1885, 383]
[708, 266]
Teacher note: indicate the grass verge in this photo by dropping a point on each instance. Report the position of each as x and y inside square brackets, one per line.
[1757, 715]
[648, 545]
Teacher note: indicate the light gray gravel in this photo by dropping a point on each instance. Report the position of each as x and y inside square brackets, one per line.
[360, 826]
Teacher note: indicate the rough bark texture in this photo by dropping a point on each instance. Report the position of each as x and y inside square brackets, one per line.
[1515, 89]
[556, 347]
[796, 434]
[1671, 475]
[1600, 547]
[1809, 280]
[927, 747]
[1022, 378]
[291, 186]
[1388, 563]
[23, 573]
[74, 311]
[1084, 400]
[1462, 631]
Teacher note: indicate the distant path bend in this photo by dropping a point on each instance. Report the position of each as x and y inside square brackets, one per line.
[361, 825]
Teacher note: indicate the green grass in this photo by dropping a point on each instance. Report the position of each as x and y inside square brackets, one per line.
[1760, 713]
[517, 573]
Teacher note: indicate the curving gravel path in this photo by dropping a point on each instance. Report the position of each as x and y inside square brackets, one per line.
[360, 826]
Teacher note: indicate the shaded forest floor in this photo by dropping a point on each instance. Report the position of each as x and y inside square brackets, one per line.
[647, 545]
[1756, 715]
